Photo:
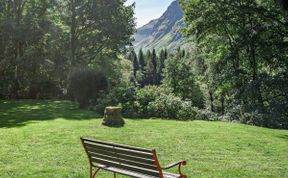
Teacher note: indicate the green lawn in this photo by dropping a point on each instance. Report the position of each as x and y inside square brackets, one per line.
[41, 139]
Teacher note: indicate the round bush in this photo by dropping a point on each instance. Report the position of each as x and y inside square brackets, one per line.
[86, 86]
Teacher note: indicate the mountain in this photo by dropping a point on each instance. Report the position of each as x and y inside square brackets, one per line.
[162, 32]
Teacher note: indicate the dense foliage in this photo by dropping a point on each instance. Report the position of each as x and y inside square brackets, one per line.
[42, 42]
[244, 48]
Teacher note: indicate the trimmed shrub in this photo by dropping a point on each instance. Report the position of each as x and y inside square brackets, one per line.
[86, 86]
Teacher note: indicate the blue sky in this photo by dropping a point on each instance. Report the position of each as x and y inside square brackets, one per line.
[147, 10]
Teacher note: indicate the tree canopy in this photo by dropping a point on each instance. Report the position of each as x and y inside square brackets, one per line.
[245, 47]
[45, 40]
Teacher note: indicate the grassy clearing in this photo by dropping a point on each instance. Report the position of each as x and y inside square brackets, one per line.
[41, 139]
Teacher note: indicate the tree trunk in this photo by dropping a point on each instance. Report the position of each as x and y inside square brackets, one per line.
[222, 104]
[18, 7]
[258, 93]
[73, 36]
[254, 63]
[211, 100]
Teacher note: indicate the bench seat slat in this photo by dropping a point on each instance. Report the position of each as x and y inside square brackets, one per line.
[122, 156]
[115, 158]
[170, 175]
[108, 163]
[119, 150]
[118, 145]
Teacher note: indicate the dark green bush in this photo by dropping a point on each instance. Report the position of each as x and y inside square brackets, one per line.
[43, 88]
[187, 111]
[268, 119]
[86, 85]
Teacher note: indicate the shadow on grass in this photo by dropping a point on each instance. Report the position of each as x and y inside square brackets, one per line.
[18, 112]
[113, 126]
[285, 137]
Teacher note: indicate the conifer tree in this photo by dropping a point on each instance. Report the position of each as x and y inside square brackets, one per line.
[160, 66]
[148, 56]
[135, 64]
[141, 59]
[166, 53]
[151, 69]
[154, 59]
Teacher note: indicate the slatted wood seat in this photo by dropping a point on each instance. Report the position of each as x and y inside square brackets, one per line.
[126, 160]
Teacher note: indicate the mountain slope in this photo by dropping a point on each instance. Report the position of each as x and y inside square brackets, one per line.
[162, 32]
[144, 31]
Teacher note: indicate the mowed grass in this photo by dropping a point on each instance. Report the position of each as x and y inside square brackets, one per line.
[41, 139]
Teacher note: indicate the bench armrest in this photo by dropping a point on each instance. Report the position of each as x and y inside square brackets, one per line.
[179, 164]
[183, 162]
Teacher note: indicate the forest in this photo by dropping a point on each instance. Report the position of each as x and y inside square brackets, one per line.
[81, 50]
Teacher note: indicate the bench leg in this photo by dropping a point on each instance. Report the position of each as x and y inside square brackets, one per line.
[114, 175]
[91, 172]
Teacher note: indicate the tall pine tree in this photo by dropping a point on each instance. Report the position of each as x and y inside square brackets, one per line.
[141, 59]
[160, 66]
[151, 69]
[135, 64]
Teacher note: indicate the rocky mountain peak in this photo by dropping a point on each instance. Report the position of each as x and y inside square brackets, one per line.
[162, 32]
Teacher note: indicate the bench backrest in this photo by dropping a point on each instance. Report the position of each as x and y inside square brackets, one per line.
[124, 157]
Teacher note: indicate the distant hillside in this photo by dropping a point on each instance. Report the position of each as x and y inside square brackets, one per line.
[162, 32]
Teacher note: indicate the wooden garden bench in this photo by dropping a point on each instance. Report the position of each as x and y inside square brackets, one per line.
[126, 160]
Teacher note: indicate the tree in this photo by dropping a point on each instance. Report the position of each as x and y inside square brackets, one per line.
[160, 66]
[240, 40]
[284, 7]
[98, 28]
[179, 76]
[46, 40]
[166, 53]
[151, 69]
[141, 59]
[25, 26]
[135, 64]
